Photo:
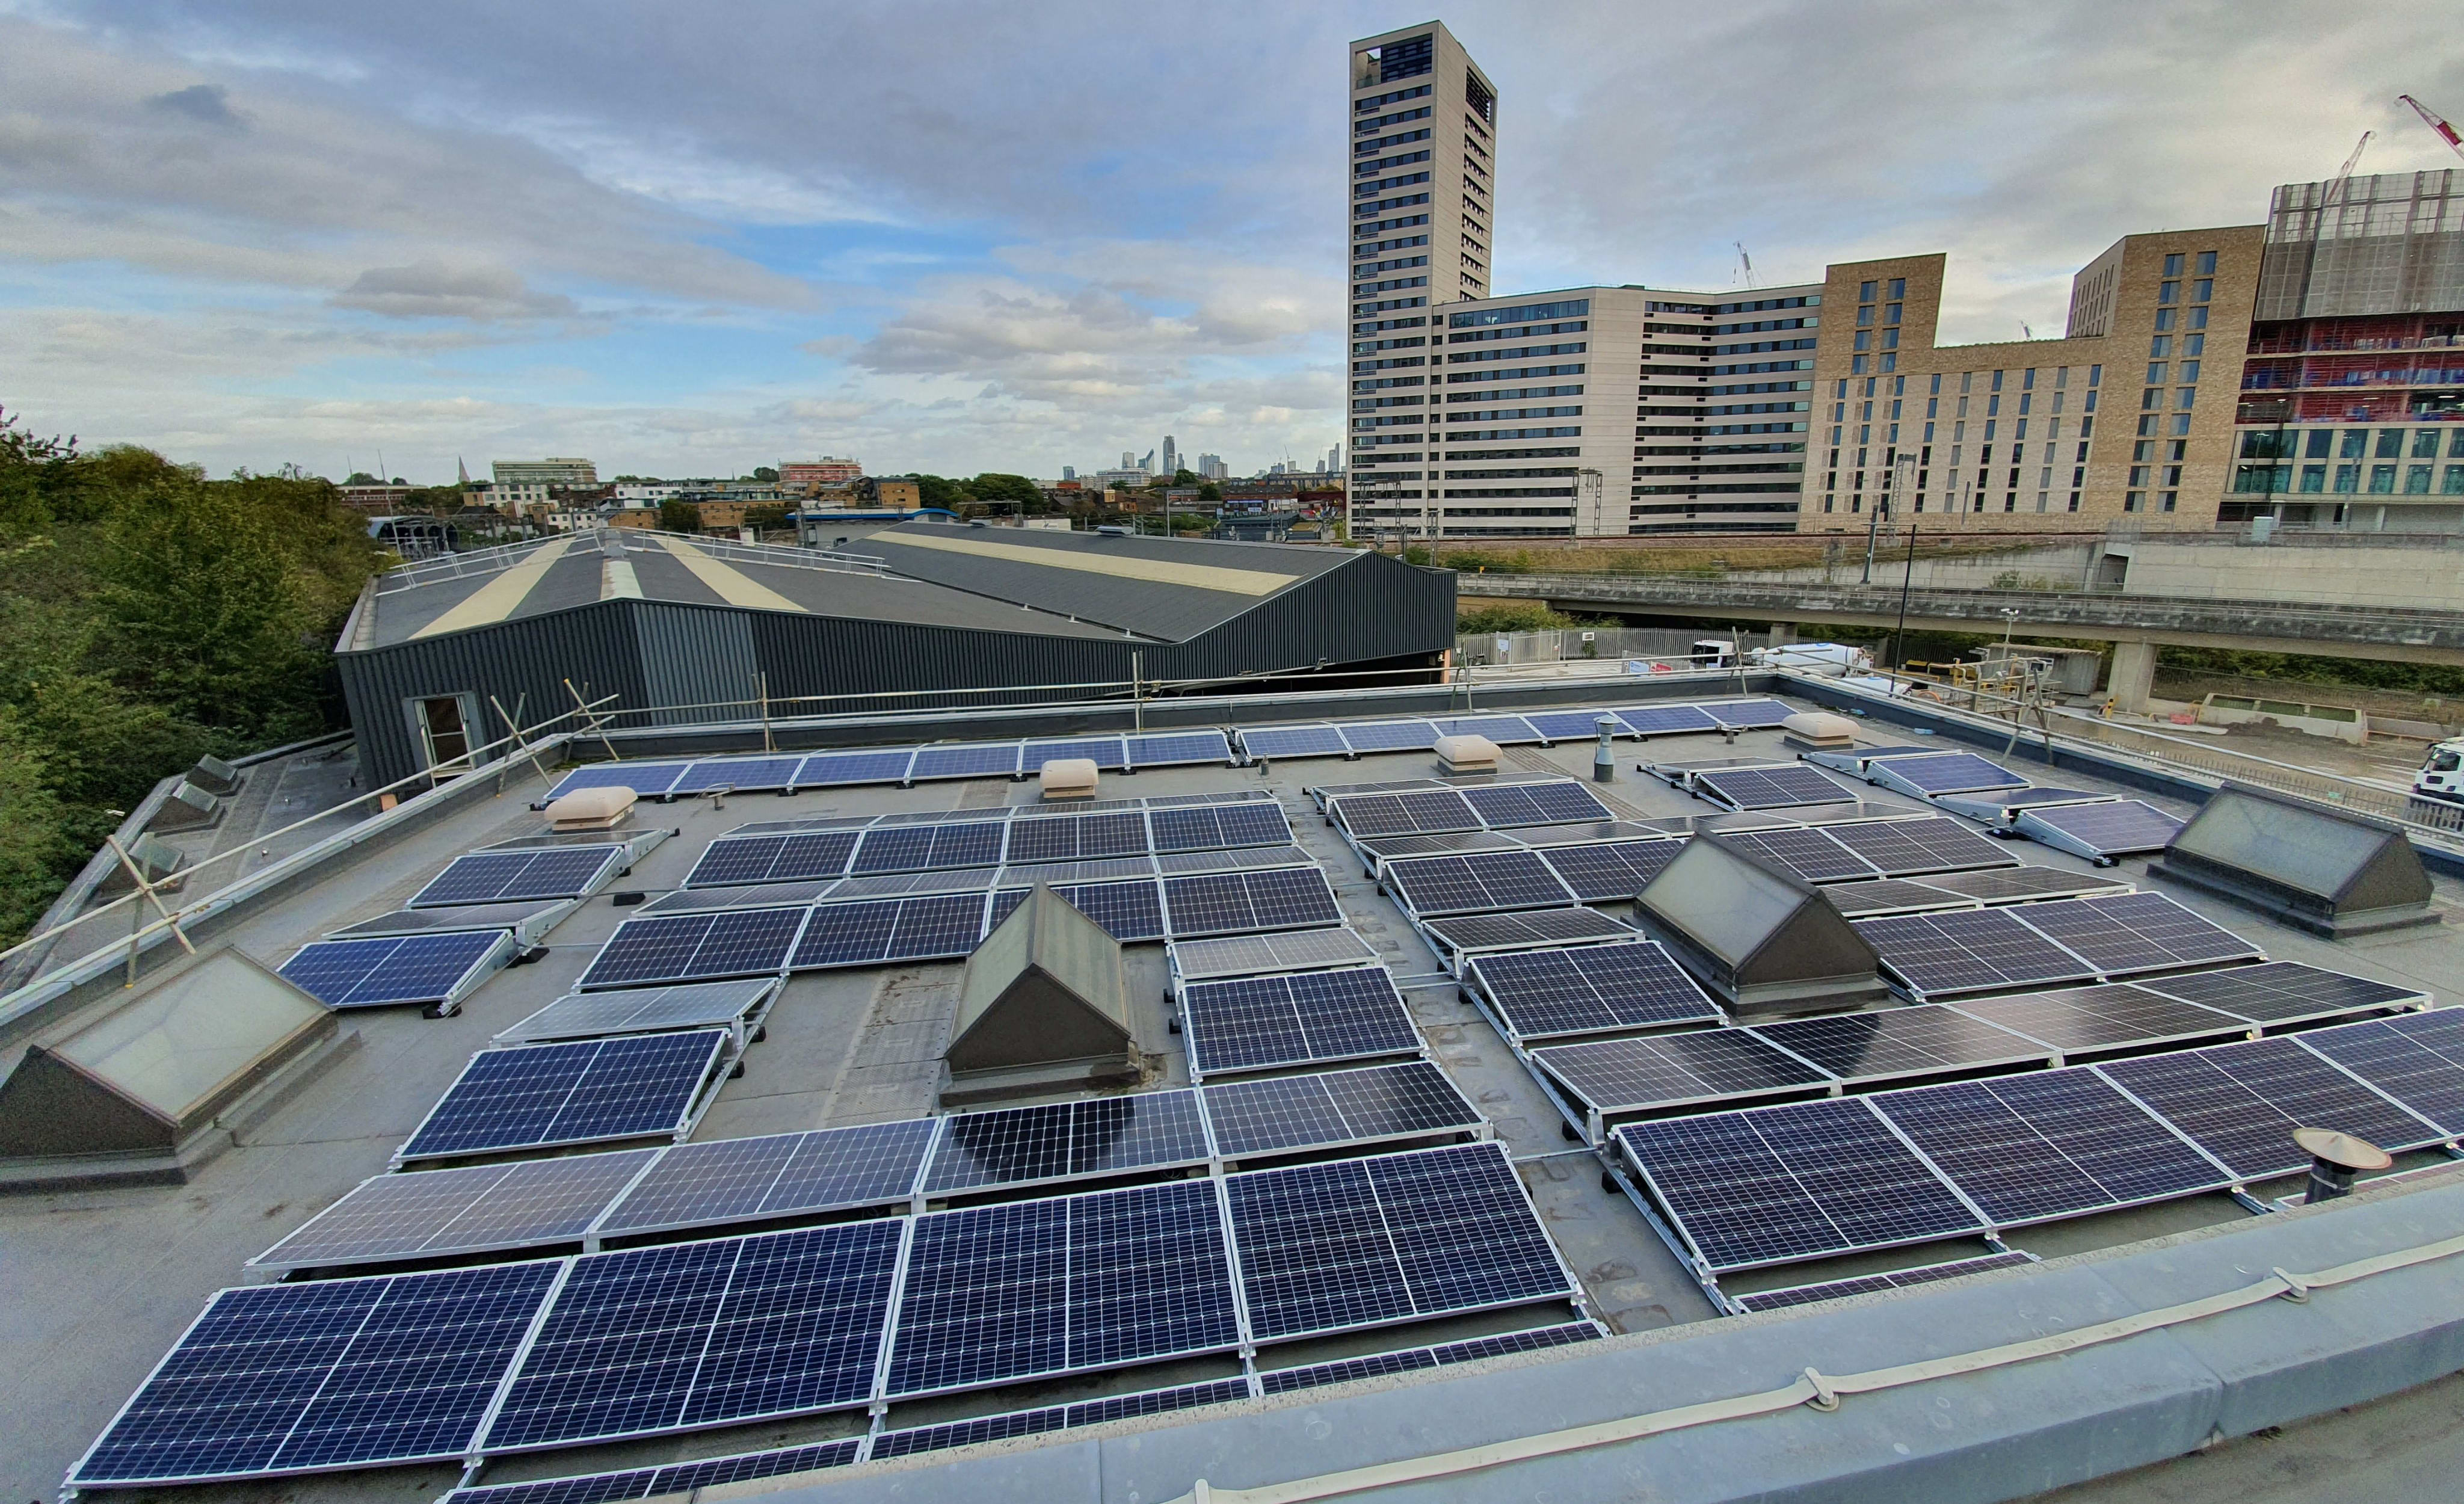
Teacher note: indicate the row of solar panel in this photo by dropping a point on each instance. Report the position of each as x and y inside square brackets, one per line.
[789, 772]
[871, 932]
[1294, 1018]
[606, 1488]
[1809, 1180]
[1353, 738]
[965, 841]
[972, 879]
[1484, 807]
[2098, 826]
[1617, 1077]
[2046, 945]
[399, 1368]
[633, 1193]
[1969, 890]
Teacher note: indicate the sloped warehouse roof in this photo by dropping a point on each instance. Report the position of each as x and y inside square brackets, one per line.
[663, 621]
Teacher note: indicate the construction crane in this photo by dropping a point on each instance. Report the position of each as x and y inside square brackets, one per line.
[2446, 132]
[1746, 263]
[2336, 184]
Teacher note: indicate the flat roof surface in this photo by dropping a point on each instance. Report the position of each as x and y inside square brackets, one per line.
[107, 1278]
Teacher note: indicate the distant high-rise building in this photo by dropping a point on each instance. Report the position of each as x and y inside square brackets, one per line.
[1129, 459]
[1211, 467]
[1423, 148]
[1148, 464]
[1069, 471]
[1171, 456]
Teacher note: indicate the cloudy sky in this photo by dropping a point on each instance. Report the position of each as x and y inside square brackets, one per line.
[954, 236]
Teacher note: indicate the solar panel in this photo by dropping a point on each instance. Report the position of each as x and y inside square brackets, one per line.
[2084, 1020]
[2241, 1102]
[300, 1378]
[773, 858]
[1503, 730]
[637, 1010]
[1555, 800]
[459, 917]
[742, 773]
[1198, 827]
[1613, 869]
[1432, 811]
[1254, 955]
[1773, 1185]
[1252, 1023]
[1176, 748]
[1791, 1295]
[1063, 1140]
[1771, 787]
[837, 769]
[751, 896]
[1944, 773]
[412, 969]
[2010, 884]
[703, 1334]
[1749, 715]
[1664, 1071]
[1573, 725]
[1127, 910]
[1312, 740]
[1891, 895]
[1388, 736]
[680, 1477]
[650, 780]
[925, 847]
[1924, 1040]
[1104, 752]
[1589, 989]
[780, 1175]
[2285, 992]
[1808, 853]
[2103, 830]
[1019, 1290]
[442, 1213]
[2134, 932]
[1661, 720]
[1969, 950]
[694, 947]
[1355, 1243]
[1413, 1360]
[1481, 882]
[1466, 933]
[508, 876]
[1910, 848]
[1070, 838]
[1230, 902]
[1283, 1114]
[1585, 832]
[867, 934]
[966, 759]
[583, 1093]
[2418, 1060]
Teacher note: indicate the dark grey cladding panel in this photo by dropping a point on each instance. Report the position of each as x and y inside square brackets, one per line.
[694, 655]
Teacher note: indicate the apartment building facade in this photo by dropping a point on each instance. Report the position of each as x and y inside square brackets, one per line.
[1594, 411]
[2128, 419]
[2352, 392]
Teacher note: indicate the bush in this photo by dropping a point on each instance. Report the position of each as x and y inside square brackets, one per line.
[1512, 616]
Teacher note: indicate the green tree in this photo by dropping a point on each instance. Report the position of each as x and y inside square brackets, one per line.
[1002, 489]
[1512, 616]
[765, 517]
[1186, 478]
[679, 517]
[765, 475]
[1209, 491]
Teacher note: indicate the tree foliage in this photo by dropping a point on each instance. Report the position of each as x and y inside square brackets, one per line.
[148, 615]
[679, 517]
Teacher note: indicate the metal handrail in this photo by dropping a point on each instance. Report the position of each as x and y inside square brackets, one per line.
[778, 555]
[454, 566]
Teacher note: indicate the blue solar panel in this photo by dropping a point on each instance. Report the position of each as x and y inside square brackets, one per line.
[1355, 1243]
[1229, 903]
[1072, 838]
[1946, 773]
[328, 1373]
[1175, 748]
[1314, 740]
[1550, 802]
[1661, 720]
[1610, 869]
[1575, 725]
[870, 933]
[1748, 715]
[1127, 910]
[2417, 1059]
[1062, 1141]
[705, 1333]
[1503, 730]
[929, 848]
[778, 1175]
[563, 872]
[744, 772]
[630, 1087]
[696, 947]
[1388, 736]
[829, 769]
[969, 760]
[1000, 1293]
[646, 779]
[679, 1477]
[773, 858]
[1252, 1023]
[370, 973]
[1104, 752]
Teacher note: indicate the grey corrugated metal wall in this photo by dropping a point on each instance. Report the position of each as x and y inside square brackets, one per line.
[651, 652]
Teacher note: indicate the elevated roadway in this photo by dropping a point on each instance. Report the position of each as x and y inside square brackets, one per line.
[2137, 624]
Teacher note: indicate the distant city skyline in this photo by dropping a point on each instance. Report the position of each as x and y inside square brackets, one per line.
[264, 234]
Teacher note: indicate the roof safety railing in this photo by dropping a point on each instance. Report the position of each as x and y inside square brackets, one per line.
[613, 541]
